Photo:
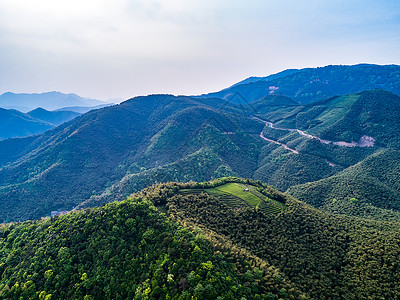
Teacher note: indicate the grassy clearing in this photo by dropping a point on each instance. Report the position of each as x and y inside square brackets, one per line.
[234, 195]
[237, 190]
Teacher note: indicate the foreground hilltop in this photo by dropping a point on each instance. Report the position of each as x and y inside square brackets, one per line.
[246, 240]
[128, 250]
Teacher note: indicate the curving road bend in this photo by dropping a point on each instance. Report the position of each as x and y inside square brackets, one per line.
[365, 141]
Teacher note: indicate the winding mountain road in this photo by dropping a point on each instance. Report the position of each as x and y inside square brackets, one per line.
[278, 143]
[365, 141]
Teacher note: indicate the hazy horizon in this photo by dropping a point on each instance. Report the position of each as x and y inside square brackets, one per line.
[120, 49]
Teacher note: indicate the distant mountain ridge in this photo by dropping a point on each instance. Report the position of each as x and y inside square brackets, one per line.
[49, 100]
[84, 109]
[14, 123]
[267, 78]
[312, 84]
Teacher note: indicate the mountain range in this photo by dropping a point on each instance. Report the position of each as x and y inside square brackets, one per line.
[17, 124]
[25, 102]
[109, 153]
[311, 84]
[279, 187]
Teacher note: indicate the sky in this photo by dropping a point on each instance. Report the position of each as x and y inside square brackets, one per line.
[108, 49]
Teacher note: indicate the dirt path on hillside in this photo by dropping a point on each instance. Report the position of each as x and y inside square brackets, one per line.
[291, 149]
[365, 141]
[278, 143]
[271, 125]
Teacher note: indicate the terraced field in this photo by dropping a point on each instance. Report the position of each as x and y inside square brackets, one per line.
[240, 195]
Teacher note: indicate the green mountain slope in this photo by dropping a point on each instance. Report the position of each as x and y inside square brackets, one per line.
[369, 189]
[348, 118]
[337, 132]
[107, 154]
[312, 84]
[125, 250]
[357, 134]
[326, 256]
[204, 164]
[97, 150]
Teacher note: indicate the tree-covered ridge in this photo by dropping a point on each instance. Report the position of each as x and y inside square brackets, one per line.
[125, 250]
[326, 256]
[103, 148]
[369, 189]
[14, 123]
[347, 118]
[106, 155]
[313, 84]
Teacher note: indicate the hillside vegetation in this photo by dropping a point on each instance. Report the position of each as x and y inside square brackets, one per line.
[126, 250]
[369, 189]
[326, 256]
[134, 141]
[107, 154]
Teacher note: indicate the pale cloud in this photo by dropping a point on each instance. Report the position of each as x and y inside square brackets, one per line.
[122, 48]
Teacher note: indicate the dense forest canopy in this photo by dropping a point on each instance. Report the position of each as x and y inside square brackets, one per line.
[127, 250]
[326, 256]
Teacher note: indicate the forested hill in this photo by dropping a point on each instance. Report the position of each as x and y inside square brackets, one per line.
[312, 84]
[107, 154]
[369, 189]
[326, 256]
[236, 238]
[358, 132]
[65, 166]
[128, 250]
